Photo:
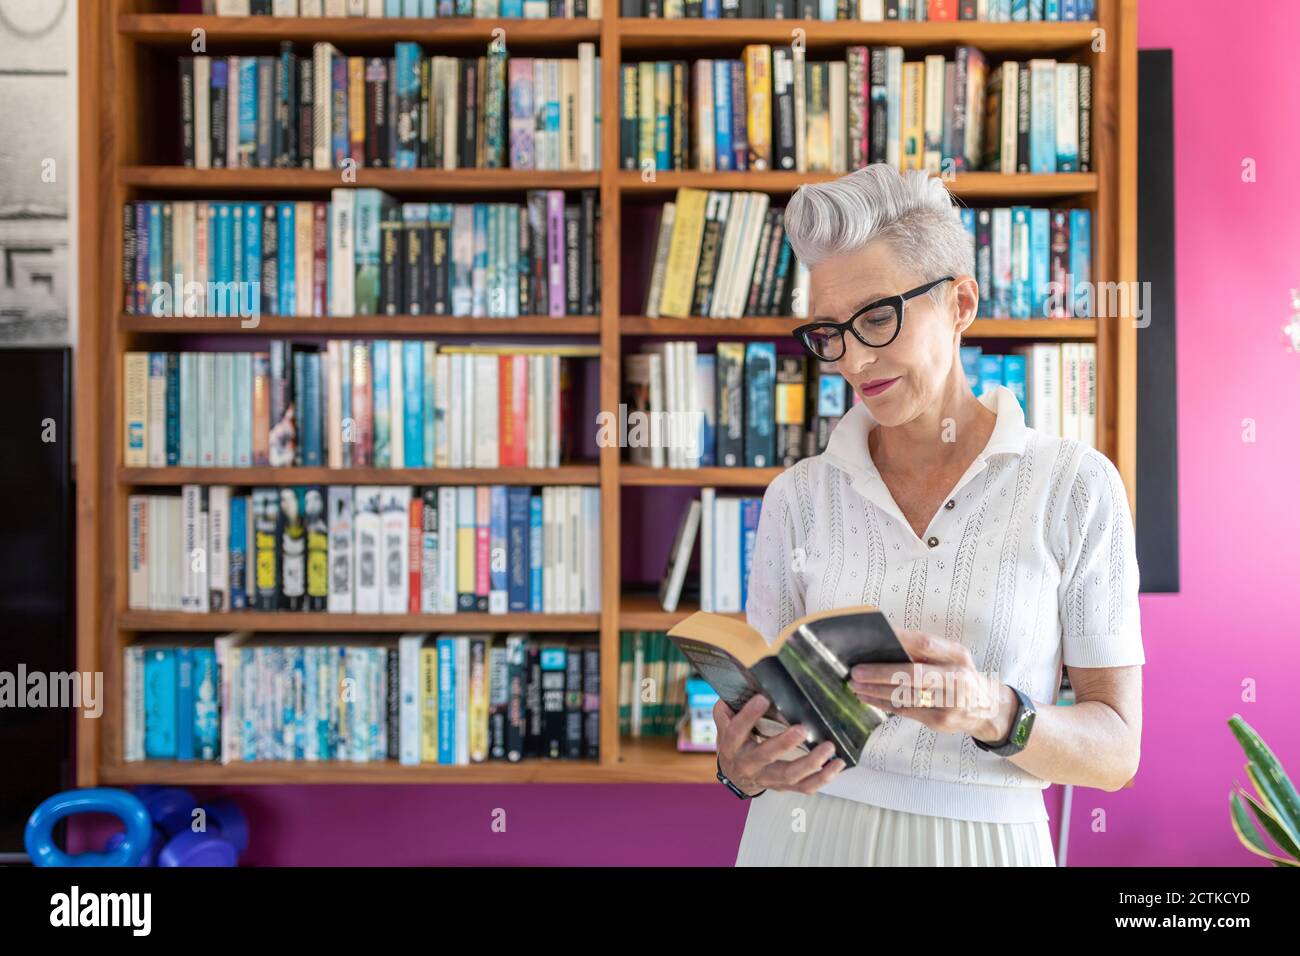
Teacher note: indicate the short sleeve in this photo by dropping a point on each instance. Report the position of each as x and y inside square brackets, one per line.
[1100, 620]
[775, 590]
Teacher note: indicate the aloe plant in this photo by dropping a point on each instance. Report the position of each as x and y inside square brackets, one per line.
[1277, 808]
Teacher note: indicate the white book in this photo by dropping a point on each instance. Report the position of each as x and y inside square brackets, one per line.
[573, 546]
[194, 596]
[800, 109]
[202, 113]
[396, 405]
[726, 556]
[395, 582]
[708, 498]
[1070, 390]
[311, 8]
[342, 254]
[586, 106]
[727, 253]
[871, 11]
[1043, 386]
[336, 8]
[356, 8]
[375, 8]
[550, 604]
[932, 156]
[462, 700]
[408, 671]
[679, 557]
[591, 552]
[341, 551]
[241, 390]
[839, 109]
[1008, 151]
[1067, 117]
[218, 538]
[154, 556]
[323, 55]
[446, 551]
[663, 402]
[487, 450]
[451, 113]
[133, 703]
[234, 8]
[748, 254]
[232, 113]
[535, 428]
[369, 531]
[658, 405]
[704, 134]
[456, 425]
[442, 413]
[223, 374]
[552, 406]
[894, 112]
[137, 591]
[1088, 393]
[691, 403]
[1001, 242]
[205, 412]
[467, 412]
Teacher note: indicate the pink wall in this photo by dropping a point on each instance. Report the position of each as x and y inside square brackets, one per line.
[1237, 258]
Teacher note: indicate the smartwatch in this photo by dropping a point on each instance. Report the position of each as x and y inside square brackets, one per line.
[723, 778]
[1021, 726]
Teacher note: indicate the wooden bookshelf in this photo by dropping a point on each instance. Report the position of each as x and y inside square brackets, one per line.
[127, 52]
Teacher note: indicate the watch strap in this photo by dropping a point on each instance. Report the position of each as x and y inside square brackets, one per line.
[725, 780]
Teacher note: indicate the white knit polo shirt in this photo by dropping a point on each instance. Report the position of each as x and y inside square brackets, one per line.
[1030, 562]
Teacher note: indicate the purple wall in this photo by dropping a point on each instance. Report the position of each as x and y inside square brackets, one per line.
[1240, 539]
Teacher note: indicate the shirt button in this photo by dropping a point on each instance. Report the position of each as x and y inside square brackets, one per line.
[932, 542]
[950, 505]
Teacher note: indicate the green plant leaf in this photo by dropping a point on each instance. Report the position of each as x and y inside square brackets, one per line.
[1246, 832]
[1275, 788]
[1271, 825]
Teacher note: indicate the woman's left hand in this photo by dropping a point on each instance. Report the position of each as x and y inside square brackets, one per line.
[941, 688]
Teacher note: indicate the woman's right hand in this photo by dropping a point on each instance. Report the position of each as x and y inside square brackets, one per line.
[755, 766]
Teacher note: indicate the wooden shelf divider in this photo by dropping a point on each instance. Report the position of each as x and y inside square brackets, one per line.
[123, 42]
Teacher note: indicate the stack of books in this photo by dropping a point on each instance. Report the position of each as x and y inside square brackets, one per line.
[1032, 263]
[867, 11]
[426, 9]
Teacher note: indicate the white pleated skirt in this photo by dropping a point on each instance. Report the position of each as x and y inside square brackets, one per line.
[833, 831]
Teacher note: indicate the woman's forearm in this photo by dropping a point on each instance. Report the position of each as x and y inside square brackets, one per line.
[1086, 743]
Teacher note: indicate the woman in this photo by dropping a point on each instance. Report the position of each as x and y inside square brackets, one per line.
[998, 553]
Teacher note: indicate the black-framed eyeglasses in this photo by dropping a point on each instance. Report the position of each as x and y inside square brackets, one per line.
[875, 325]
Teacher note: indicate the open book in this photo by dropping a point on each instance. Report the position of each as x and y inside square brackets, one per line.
[804, 671]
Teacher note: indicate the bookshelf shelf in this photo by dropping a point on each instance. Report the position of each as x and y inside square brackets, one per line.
[380, 326]
[965, 185]
[163, 28]
[564, 475]
[778, 327]
[638, 35]
[127, 108]
[697, 477]
[178, 178]
[306, 621]
[642, 612]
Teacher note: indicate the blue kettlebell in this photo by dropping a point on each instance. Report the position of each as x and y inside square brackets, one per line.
[39, 834]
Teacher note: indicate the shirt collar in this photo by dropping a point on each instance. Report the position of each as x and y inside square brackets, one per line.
[848, 450]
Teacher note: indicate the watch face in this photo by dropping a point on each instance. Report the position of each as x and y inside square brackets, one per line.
[1020, 736]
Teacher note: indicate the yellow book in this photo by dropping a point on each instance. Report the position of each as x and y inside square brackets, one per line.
[357, 108]
[913, 122]
[135, 378]
[819, 118]
[646, 115]
[429, 705]
[465, 555]
[758, 89]
[683, 253]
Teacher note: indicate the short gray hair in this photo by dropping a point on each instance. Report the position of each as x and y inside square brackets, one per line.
[912, 211]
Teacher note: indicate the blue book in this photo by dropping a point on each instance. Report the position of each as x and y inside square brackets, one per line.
[722, 115]
[1020, 274]
[1013, 377]
[286, 258]
[393, 8]
[427, 411]
[518, 552]
[248, 661]
[1081, 261]
[412, 403]
[298, 675]
[1051, 10]
[410, 8]
[760, 386]
[749, 512]
[252, 245]
[173, 409]
[429, 9]
[479, 292]
[970, 364]
[826, 10]
[1040, 261]
[207, 722]
[712, 9]
[340, 144]
[512, 8]
[990, 373]
[1036, 10]
[184, 704]
[1019, 10]
[155, 253]
[369, 213]
[1087, 9]
[224, 250]
[464, 8]
[247, 110]
[495, 301]
[446, 700]
[160, 703]
[238, 553]
[535, 548]
[1042, 116]
[345, 400]
[1069, 10]
[498, 566]
[380, 406]
[407, 82]
[706, 376]
[968, 223]
[312, 456]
